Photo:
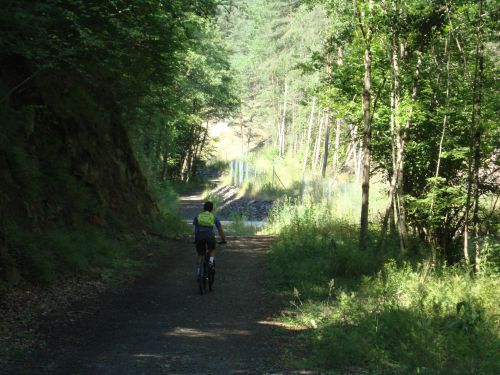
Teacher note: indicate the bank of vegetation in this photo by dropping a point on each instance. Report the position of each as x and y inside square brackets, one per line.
[382, 124]
[103, 105]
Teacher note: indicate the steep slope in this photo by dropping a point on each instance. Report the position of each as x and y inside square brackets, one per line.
[66, 167]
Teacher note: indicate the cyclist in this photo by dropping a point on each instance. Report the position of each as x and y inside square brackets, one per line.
[204, 234]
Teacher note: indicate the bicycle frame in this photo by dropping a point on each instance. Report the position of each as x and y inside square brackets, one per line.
[205, 275]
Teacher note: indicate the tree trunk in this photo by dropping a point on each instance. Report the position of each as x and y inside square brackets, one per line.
[367, 136]
[354, 142]
[443, 132]
[396, 151]
[200, 147]
[308, 139]
[477, 162]
[337, 147]
[283, 124]
[318, 142]
[476, 128]
[335, 164]
[366, 31]
[401, 212]
[474, 157]
[326, 144]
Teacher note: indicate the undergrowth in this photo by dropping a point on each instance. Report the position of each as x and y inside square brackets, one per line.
[238, 225]
[169, 223]
[47, 255]
[379, 312]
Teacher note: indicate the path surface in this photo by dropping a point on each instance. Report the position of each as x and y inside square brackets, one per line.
[161, 325]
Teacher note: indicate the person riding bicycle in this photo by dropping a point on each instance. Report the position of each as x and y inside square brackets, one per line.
[204, 234]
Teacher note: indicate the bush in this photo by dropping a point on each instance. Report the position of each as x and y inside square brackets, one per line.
[312, 247]
[413, 321]
[170, 222]
[374, 311]
[46, 256]
[237, 225]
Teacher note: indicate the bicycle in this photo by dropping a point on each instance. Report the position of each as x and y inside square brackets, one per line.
[206, 273]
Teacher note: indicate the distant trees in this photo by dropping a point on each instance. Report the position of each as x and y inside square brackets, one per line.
[268, 41]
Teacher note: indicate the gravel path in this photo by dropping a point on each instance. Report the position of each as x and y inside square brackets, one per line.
[161, 325]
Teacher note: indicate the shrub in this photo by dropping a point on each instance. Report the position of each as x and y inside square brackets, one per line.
[237, 225]
[413, 321]
[45, 256]
[375, 311]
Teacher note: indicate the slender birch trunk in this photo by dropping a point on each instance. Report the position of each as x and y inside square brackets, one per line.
[308, 140]
[338, 121]
[367, 137]
[401, 223]
[477, 163]
[396, 146]
[318, 143]
[445, 119]
[283, 124]
[325, 145]
[474, 160]
[476, 141]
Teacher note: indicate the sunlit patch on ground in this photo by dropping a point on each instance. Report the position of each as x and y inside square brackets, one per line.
[219, 333]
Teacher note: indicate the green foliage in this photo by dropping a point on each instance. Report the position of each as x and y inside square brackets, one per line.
[169, 223]
[412, 321]
[238, 226]
[313, 247]
[73, 75]
[376, 311]
[269, 40]
[47, 256]
[400, 319]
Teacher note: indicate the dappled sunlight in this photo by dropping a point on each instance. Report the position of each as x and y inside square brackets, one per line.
[278, 324]
[215, 333]
[142, 355]
[190, 198]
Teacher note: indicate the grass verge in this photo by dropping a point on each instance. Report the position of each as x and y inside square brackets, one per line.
[378, 313]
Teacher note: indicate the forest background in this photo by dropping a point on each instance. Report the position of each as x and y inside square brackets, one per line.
[379, 118]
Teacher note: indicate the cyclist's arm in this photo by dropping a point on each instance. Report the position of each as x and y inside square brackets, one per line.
[218, 225]
[221, 233]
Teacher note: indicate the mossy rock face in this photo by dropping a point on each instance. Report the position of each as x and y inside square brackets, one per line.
[65, 161]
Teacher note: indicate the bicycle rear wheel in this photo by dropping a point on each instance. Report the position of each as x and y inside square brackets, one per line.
[211, 277]
[203, 277]
[201, 289]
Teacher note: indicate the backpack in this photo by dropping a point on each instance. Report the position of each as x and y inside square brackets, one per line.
[206, 219]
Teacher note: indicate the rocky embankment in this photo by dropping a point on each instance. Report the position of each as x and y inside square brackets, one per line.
[231, 204]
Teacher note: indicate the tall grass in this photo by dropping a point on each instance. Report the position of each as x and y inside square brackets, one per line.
[238, 226]
[409, 320]
[378, 312]
[169, 223]
[48, 255]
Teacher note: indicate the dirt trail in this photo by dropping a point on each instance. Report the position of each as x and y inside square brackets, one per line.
[161, 325]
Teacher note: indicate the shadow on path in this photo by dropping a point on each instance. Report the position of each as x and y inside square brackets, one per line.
[162, 326]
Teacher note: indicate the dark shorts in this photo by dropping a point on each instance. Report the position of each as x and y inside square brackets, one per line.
[204, 241]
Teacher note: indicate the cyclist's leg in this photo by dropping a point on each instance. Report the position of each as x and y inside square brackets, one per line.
[200, 250]
[211, 250]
